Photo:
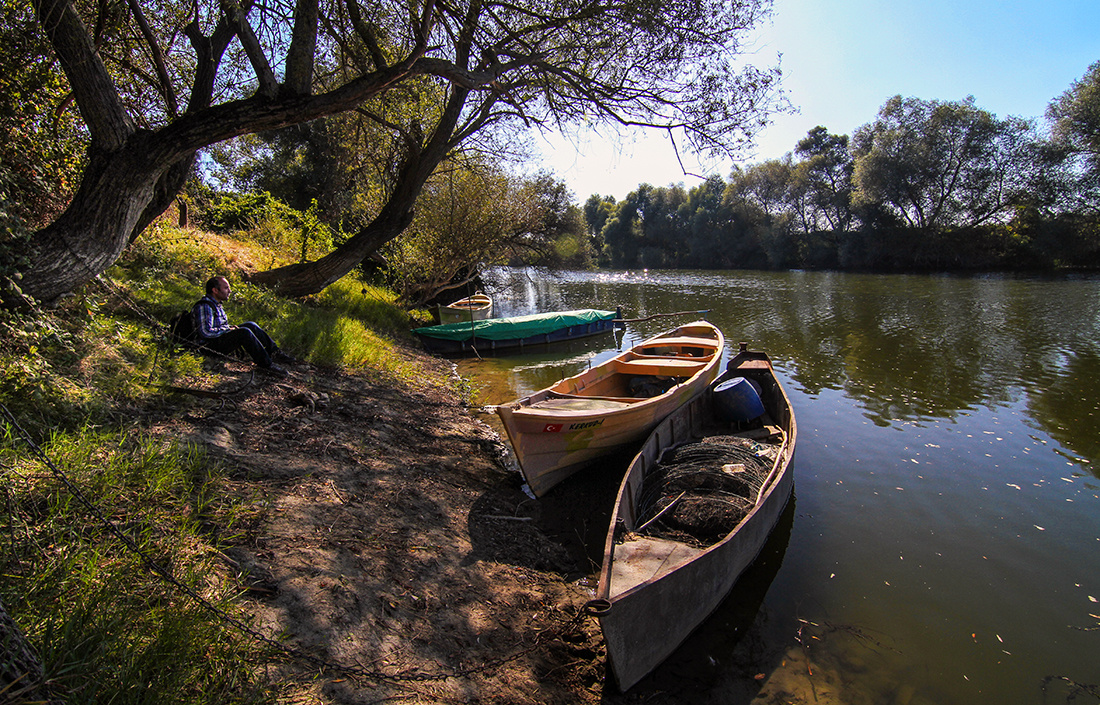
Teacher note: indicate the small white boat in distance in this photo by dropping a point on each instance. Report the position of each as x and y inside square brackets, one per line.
[610, 407]
[472, 308]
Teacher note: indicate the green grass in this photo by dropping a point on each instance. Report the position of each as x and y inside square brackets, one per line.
[108, 629]
[350, 324]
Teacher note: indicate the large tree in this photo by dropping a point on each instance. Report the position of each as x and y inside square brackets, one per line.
[825, 175]
[939, 165]
[156, 81]
[1075, 136]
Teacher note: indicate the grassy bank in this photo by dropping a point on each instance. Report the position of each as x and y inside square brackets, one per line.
[95, 506]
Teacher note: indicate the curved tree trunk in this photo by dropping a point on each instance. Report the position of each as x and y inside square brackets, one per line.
[311, 277]
[133, 175]
[166, 191]
[20, 668]
[96, 227]
[123, 190]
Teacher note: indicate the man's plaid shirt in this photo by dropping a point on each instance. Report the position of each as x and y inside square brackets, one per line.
[210, 318]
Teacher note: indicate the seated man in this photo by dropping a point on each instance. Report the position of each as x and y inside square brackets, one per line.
[212, 329]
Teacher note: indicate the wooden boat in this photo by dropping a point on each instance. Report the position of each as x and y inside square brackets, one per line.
[694, 509]
[472, 308]
[612, 406]
[496, 335]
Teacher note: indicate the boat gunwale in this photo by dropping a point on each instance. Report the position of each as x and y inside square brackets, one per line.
[479, 299]
[530, 411]
[604, 588]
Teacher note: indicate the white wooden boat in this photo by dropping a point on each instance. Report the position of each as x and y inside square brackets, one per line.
[610, 407]
[694, 509]
[472, 308]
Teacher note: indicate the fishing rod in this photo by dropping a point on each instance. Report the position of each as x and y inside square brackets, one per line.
[661, 315]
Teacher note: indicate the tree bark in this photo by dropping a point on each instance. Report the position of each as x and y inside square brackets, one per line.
[94, 230]
[21, 674]
[124, 190]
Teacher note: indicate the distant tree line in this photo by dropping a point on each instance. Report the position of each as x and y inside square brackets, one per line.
[927, 185]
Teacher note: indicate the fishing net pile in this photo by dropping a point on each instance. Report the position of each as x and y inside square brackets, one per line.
[700, 491]
[646, 386]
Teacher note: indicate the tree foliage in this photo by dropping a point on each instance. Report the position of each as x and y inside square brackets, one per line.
[469, 220]
[824, 181]
[927, 185]
[42, 145]
[1076, 136]
[940, 164]
[155, 81]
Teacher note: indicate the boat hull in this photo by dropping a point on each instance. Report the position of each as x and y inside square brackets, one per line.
[654, 592]
[480, 339]
[560, 430]
[472, 308]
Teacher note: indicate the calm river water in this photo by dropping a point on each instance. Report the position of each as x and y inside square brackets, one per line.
[943, 545]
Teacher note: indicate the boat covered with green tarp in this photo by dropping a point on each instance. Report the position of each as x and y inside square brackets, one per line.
[496, 334]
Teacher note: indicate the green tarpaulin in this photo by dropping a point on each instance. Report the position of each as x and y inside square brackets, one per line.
[515, 326]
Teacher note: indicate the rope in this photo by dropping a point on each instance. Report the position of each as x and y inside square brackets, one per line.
[704, 312]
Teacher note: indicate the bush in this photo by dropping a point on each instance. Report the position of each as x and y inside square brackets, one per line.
[269, 222]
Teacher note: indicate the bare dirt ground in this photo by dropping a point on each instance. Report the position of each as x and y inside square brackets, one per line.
[389, 537]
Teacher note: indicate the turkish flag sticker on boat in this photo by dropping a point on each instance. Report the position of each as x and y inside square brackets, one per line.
[552, 428]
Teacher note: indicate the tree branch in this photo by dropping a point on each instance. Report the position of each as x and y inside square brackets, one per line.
[96, 97]
[165, 86]
[366, 33]
[299, 61]
[268, 85]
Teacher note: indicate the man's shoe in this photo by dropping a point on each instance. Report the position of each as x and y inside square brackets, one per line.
[276, 371]
[280, 356]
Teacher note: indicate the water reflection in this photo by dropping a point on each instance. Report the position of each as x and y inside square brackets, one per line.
[948, 500]
[906, 348]
[720, 661]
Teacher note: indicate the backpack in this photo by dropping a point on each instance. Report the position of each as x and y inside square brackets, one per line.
[181, 327]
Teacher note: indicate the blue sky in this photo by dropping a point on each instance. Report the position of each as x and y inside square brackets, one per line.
[843, 59]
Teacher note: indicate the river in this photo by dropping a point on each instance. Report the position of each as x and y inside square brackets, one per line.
[943, 545]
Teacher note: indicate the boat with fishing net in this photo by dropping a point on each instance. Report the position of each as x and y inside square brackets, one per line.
[693, 511]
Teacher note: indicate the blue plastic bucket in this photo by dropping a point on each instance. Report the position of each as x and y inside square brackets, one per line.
[736, 401]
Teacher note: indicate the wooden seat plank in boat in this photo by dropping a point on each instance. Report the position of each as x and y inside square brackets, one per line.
[570, 404]
[661, 367]
[644, 558]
